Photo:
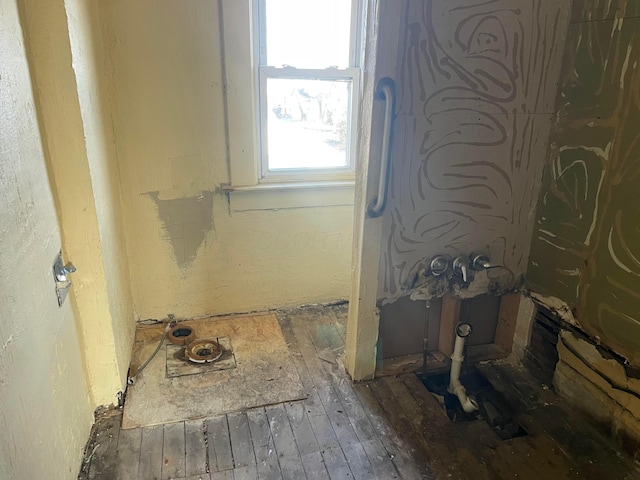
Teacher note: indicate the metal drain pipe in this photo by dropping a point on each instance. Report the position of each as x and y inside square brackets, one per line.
[170, 324]
[469, 404]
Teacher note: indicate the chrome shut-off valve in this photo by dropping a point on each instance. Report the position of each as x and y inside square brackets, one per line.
[439, 265]
[461, 266]
[480, 262]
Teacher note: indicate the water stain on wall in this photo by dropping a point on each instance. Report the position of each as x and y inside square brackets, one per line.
[586, 245]
[476, 83]
[186, 223]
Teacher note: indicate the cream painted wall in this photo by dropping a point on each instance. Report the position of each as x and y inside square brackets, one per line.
[94, 94]
[46, 412]
[65, 58]
[190, 253]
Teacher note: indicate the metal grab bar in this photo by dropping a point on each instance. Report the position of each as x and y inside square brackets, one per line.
[384, 90]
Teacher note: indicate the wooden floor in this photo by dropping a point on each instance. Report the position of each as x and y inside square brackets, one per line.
[390, 428]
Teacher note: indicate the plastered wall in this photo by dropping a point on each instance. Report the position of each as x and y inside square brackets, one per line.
[46, 410]
[476, 84]
[94, 88]
[74, 120]
[586, 243]
[190, 253]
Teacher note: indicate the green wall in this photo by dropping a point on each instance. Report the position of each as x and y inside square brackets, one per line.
[586, 242]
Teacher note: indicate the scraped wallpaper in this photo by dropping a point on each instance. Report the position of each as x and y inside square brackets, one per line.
[476, 85]
[586, 244]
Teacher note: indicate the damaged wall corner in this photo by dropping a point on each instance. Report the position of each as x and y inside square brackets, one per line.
[601, 388]
[584, 256]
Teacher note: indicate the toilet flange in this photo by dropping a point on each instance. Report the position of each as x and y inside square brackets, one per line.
[203, 351]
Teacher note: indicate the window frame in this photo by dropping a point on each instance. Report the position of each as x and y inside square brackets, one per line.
[350, 74]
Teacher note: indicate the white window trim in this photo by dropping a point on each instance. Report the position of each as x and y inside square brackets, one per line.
[241, 89]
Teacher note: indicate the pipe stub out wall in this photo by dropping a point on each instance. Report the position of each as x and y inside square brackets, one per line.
[456, 388]
[463, 330]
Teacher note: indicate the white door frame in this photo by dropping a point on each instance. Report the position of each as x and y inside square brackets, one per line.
[382, 34]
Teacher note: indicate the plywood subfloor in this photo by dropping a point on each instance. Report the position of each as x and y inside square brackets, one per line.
[264, 374]
[387, 429]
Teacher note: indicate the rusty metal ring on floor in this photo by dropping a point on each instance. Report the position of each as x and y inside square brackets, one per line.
[181, 335]
[203, 351]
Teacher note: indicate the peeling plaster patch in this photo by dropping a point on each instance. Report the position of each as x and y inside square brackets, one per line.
[590, 355]
[557, 306]
[186, 222]
[495, 281]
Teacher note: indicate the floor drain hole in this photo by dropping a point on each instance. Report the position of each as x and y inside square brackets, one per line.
[494, 408]
[182, 332]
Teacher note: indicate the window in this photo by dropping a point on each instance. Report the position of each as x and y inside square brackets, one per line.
[307, 88]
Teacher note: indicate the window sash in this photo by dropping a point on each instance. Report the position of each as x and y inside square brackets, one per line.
[351, 75]
[260, 40]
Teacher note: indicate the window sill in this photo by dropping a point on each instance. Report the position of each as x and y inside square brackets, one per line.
[278, 196]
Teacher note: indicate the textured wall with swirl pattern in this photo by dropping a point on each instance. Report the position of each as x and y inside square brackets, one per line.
[586, 245]
[476, 87]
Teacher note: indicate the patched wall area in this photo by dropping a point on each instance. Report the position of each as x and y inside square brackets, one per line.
[586, 243]
[476, 84]
[190, 251]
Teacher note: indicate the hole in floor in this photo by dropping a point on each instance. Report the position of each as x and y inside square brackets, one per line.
[494, 408]
[182, 332]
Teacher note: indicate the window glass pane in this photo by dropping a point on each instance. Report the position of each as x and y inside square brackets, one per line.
[307, 123]
[308, 33]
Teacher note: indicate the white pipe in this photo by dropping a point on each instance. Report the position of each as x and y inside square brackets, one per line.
[455, 387]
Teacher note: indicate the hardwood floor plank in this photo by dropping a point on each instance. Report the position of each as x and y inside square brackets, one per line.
[259, 427]
[420, 452]
[383, 467]
[435, 435]
[331, 335]
[241, 444]
[314, 467]
[173, 451]
[301, 427]
[291, 468]
[406, 466]
[128, 454]
[281, 431]
[340, 314]
[358, 418]
[375, 430]
[223, 475]
[330, 400]
[264, 449]
[336, 464]
[248, 472]
[151, 453]
[219, 444]
[377, 417]
[196, 447]
[312, 403]
[323, 431]
[358, 462]
[395, 447]
[553, 459]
